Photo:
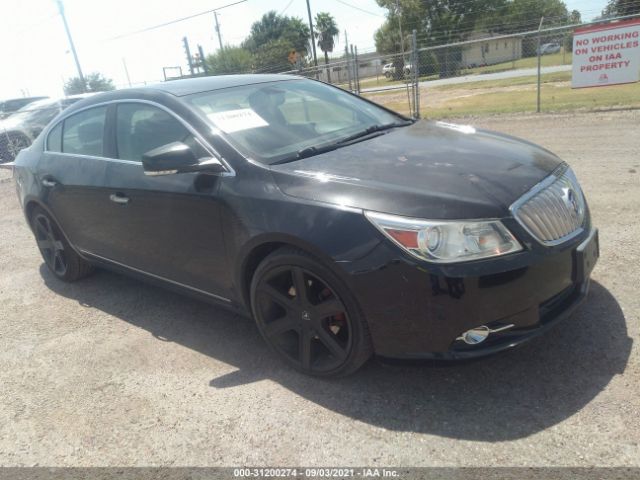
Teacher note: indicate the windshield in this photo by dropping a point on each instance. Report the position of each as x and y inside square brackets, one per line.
[273, 121]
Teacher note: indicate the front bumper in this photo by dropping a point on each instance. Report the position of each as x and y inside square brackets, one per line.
[417, 312]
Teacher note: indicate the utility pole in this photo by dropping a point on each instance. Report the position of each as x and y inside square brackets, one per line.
[187, 51]
[126, 71]
[202, 59]
[215, 15]
[313, 38]
[73, 47]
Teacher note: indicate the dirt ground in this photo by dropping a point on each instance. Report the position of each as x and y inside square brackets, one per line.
[110, 371]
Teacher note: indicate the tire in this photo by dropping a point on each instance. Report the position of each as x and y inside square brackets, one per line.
[321, 332]
[61, 259]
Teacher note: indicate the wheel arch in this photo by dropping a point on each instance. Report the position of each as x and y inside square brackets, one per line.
[253, 253]
[30, 204]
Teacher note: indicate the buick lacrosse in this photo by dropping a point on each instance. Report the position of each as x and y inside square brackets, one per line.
[341, 227]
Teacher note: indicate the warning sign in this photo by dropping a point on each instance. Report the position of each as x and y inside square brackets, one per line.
[606, 54]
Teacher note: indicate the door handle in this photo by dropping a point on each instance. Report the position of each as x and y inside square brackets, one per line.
[119, 198]
[47, 182]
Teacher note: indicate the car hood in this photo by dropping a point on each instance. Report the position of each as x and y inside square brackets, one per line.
[428, 170]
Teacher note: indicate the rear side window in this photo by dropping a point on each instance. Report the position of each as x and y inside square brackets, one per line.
[54, 140]
[83, 132]
[141, 127]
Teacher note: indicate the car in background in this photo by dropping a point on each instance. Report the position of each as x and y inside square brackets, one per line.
[549, 48]
[21, 129]
[389, 69]
[11, 106]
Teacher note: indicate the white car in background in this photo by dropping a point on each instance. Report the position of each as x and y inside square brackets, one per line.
[389, 69]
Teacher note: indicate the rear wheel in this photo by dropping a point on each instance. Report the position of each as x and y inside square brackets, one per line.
[308, 316]
[58, 255]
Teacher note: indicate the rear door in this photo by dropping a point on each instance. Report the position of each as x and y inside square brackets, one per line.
[168, 226]
[72, 173]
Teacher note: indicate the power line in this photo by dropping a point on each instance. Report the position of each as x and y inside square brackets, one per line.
[361, 9]
[171, 22]
[286, 8]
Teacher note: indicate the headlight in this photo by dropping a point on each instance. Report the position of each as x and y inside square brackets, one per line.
[444, 241]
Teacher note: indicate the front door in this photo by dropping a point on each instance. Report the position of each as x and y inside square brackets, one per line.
[168, 226]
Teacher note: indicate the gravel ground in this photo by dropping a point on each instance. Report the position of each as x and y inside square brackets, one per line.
[110, 371]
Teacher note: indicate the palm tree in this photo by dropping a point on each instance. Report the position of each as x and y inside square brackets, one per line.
[326, 33]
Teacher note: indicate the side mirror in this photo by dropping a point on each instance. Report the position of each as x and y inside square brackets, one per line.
[177, 157]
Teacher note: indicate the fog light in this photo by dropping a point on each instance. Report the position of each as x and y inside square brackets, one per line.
[475, 335]
[480, 334]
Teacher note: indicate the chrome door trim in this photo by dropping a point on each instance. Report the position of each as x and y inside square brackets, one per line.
[158, 277]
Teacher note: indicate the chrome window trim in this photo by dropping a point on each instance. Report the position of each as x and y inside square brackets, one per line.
[513, 209]
[158, 277]
[203, 142]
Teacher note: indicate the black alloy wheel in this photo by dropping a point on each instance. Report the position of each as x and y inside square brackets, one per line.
[50, 245]
[58, 255]
[302, 312]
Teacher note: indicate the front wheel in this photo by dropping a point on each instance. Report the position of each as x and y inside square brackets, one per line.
[308, 316]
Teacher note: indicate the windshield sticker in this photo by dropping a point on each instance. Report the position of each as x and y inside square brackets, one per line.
[237, 120]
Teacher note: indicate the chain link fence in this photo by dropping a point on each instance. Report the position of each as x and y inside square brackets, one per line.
[486, 74]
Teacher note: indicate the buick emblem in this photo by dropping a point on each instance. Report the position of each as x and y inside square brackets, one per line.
[306, 316]
[570, 201]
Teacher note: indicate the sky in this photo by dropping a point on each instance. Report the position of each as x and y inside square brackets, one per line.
[36, 58]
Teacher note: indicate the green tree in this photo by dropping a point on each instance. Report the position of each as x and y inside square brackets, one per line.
[94, 82]
[326, 33]
[525, 15]
[272, 38]
[575, 17]
[438, 22]
[273, 56]
[230, 60]
[619, 8]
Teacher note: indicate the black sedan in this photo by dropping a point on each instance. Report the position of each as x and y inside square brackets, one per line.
[343, 228]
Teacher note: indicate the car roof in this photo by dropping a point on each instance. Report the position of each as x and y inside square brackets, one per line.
[23, 99]
[190, 86]
[180, 88]
[50, 102]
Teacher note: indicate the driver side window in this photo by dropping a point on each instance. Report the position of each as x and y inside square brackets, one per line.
[141, 127]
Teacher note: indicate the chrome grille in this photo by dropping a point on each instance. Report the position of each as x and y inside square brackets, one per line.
[554, 211]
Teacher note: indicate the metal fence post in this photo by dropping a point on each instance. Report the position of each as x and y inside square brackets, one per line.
[354, 74]
[416, 76]
[347, 65]
[357, 69]
[539, 62]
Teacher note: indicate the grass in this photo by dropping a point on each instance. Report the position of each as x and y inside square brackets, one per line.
[507, 82]
[530, 62]
[515, 95]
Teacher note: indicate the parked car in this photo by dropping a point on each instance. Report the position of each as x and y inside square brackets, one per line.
[389, 69]
[343, 228]
[549, 48]
[21, 129]
[11, 106]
